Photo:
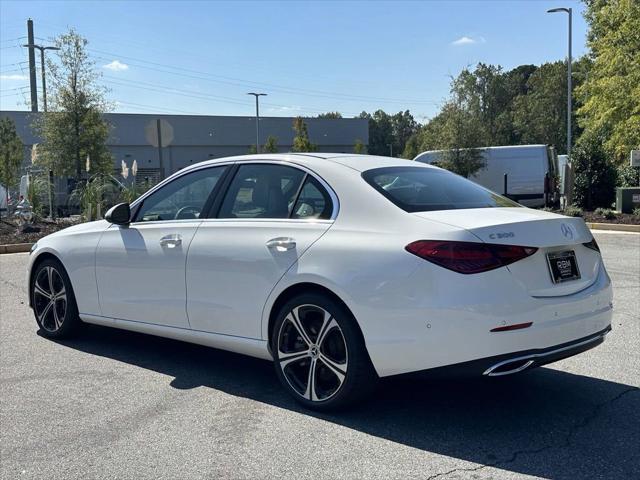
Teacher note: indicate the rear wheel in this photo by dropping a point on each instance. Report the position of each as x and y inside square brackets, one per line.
[53, 301]
[320, 356]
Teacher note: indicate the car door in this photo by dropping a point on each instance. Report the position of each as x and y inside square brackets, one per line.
[140, 268]
[271, 213]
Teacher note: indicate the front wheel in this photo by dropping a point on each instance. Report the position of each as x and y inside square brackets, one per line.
[53, 301]
[319, 353]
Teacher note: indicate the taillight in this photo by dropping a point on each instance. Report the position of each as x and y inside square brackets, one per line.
[468, 257]
[593, 245]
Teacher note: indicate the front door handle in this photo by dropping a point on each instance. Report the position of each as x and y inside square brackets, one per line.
[171, 241]
[282, 244]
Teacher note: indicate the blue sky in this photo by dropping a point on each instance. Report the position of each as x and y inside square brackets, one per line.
[202, 57]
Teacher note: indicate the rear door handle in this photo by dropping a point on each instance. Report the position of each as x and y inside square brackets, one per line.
[282, 244]
[171, 241]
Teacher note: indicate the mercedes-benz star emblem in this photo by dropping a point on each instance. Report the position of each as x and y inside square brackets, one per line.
[566, 231]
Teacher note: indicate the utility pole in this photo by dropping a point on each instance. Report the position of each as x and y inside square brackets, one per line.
[569, 89]
[31, 46]
[390, 145]
[32, 68]
[257, 118]
[160, 159]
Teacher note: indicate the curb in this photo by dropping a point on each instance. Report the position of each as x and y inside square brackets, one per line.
[616, 227]
[16, 248]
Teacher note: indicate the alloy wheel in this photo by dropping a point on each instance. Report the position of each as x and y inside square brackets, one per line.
[312, 352]
[50, 299]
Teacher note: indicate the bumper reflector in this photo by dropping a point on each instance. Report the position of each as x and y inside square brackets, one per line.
[517, 326]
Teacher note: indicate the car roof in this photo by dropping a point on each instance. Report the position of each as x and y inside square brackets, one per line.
[359, 163]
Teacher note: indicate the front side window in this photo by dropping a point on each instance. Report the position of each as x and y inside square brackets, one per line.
[182, 199]
[262, 191]
[416, 189]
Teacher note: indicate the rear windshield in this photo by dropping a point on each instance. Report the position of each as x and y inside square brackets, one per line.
[416, 189]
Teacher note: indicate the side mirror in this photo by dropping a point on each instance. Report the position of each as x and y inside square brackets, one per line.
[119, 214]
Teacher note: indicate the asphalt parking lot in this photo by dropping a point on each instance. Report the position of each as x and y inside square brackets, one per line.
[114, 404]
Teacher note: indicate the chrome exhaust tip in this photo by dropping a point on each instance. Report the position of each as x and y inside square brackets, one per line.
[508, 367]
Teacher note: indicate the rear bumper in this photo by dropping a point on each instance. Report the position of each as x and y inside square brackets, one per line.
[516, 362]
[455, 326]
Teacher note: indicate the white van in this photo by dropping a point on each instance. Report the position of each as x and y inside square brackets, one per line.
[525, 166]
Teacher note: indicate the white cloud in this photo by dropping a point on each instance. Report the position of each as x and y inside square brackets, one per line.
[14, 76]
[285, 108]
[465, 40]
[116, 66]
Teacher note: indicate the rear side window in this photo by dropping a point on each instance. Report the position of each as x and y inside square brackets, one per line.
[262, 191]
[416, 189]
[313, 201]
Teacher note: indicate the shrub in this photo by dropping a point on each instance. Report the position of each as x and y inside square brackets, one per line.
[37, 194]
[573, 211]
[636, 212]
[595, 176]
[628, 176]
[89, 194]
[606, 213]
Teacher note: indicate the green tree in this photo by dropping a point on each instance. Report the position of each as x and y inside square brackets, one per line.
[380, 132]
[628, 176]
[75, 126]
[11, 154]
[271, 145]
[359, 147]
[461, 136]
[483, 94]
[333, 115]
[611, 91]
[595, 175]
[403, 126]
[540, 115]
[301, 141]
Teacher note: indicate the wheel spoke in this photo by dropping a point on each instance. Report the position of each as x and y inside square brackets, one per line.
[40, 291]
[62, 293]
[329, 323]
[56, 318]
[295, 321]
[337, 369]
[50, 277]
[287, 358]
[43, 314]
[310, 392]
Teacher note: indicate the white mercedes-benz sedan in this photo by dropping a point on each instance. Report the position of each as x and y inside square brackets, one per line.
[339, 268]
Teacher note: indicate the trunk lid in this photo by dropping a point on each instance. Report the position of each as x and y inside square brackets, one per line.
[549, 232]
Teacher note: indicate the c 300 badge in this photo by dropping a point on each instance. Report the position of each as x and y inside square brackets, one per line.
[500, 235]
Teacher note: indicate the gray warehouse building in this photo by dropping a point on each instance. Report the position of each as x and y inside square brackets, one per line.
[193, 138]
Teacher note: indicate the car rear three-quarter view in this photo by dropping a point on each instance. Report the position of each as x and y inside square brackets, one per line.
[340, 268]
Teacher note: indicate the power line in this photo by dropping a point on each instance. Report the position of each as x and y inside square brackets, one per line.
[155, 109]
[188, 54]
[194, 94]
[247, 83]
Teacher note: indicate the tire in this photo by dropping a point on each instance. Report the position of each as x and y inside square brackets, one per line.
[329, 353]
[53, 301]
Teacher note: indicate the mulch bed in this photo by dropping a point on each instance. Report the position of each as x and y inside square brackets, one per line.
[9, 230]
[621, 218]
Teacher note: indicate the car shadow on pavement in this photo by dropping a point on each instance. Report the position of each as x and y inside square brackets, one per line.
[544, 423]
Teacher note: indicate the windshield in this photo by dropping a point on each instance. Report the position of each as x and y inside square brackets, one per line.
[416, 189]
